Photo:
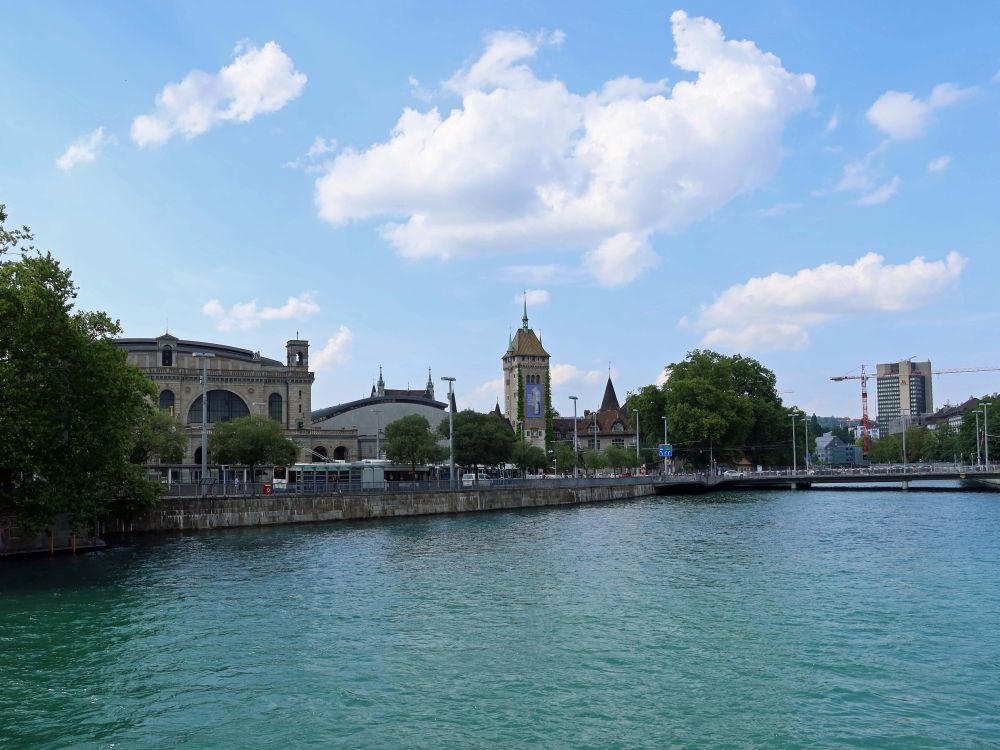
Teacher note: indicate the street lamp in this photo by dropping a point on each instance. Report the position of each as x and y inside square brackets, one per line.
[205, 356]
[378, 429]
[576, 444]
[451, 432]
[795, 461]
[979, 454]
[986, 433]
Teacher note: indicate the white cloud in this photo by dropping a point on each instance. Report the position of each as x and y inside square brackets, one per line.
[775, 312]
[84, 149]
[834, 121]
[320, 147]
[880, 194]
[939, 165]
[258, 81]
[563, 373]
[524, 164]
[246, 315]
[599, 376]
[333, 352]
[902, 116]
[778, 209]
[483, 398]
[663, 377]
[534, 297]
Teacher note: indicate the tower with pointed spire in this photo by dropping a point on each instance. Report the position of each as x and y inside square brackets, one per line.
[526, 383]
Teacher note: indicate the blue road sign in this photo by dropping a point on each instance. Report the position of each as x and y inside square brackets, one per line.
[666, 451]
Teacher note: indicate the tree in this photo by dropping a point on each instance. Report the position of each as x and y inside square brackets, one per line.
[565, 456]
[594, 460]
[618, 458]
[480, 439]
[70, 405]
[549, 411]
[652, 405]
[161, 438]
[251, 441]
[528, 457]
[728, 404]
[409, 440]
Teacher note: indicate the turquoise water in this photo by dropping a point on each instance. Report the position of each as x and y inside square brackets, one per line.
[808, 619]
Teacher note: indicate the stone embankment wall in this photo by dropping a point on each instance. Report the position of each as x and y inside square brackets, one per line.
[190, 514]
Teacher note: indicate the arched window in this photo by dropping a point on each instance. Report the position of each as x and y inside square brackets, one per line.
[274, 406]
[319, 454]
[222, 406]
[298, 358]
[167, 401]
[340, 453]
[618, 427]
[167, 357]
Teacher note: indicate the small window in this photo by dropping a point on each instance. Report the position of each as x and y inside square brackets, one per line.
[298, 358]
[167, 357]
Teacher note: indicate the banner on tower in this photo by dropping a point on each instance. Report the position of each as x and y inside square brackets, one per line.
[533, 400]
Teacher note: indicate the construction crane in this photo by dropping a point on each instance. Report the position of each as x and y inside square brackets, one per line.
[863, 377]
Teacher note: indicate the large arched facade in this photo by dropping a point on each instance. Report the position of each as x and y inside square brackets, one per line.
[222, 406]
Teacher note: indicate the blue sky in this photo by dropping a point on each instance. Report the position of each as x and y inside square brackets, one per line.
[810, 184]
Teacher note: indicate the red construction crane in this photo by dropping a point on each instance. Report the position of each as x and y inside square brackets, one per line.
[863, 377]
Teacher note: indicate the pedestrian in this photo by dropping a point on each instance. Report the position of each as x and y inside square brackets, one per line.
[236, 484]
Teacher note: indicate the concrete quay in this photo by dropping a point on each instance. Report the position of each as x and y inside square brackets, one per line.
[196, 514]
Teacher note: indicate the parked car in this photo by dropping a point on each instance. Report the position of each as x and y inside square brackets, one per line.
[733, 473]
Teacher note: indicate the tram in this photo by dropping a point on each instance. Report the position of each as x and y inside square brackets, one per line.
[344, 475]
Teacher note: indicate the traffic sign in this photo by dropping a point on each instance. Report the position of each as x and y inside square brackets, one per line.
[666, 451]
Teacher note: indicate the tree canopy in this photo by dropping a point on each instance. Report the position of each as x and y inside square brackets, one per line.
[251, 441]
[728, 404]
[71, 408]
[480, 439]
[409, 440]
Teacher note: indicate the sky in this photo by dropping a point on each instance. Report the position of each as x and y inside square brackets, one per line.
[810, 184]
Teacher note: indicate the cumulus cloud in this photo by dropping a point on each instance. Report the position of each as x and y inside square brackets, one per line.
[84, 149]
[319, 147]
[903, 116]
[881, 194]
[663, 377]
[534, 297]
[599, 376]
[939, 165]
[333, 351]
[561, 374]
[775, 312]
[258, 81]
[525, 164]
[246, 315]
[834, 121]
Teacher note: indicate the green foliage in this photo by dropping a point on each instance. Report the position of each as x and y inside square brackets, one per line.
[161, 439]
[71, 407]
[250, 441]
[651, 402]
[409, 440]
[618, 458]
[594, 460]
[528, 457]
[520, 397]
[565, 456]
[730, 403]
[480, 439]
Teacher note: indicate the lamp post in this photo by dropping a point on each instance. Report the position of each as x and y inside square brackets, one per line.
[665, 443]
[205, 356]
[805, 421]
[979, 455]
[378, 429]
[576, 445]
[795, 461]
[904, 417]
[451, 432]
[986, 433]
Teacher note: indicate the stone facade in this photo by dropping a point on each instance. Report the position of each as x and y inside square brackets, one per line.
[240, 382]
[526, 366]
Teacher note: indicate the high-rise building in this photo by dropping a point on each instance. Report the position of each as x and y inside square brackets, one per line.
[904, 391]
[526, 383]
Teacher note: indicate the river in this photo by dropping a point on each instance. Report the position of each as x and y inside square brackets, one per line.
[770, 619]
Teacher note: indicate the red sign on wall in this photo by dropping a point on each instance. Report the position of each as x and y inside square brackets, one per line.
[268, 489]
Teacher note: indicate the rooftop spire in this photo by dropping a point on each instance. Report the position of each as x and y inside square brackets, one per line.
[524, 320]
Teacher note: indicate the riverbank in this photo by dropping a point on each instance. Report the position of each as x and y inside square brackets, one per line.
[197, 514]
